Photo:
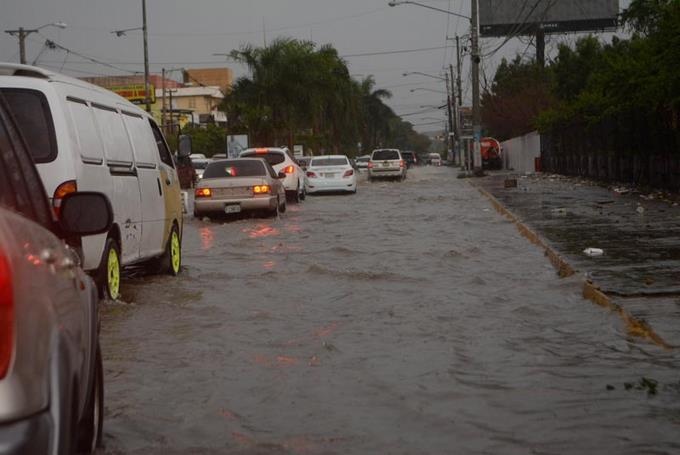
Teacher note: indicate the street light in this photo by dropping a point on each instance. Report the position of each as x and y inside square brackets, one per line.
[22, 33]
[427, 90]
[423, 74]
[147, 86]
[404, 2]
[476, 59]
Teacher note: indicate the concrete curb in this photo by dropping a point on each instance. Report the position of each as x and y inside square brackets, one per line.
[636, 327]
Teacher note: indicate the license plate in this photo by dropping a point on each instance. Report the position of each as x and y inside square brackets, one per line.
[386, 164]
[329, 176]
[233, 208]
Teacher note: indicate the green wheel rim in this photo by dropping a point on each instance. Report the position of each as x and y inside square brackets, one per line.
[175, 252]
[113, 274]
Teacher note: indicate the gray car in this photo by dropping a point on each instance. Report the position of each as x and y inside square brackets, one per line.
[386, 163]
[239, 185]
[51, 379]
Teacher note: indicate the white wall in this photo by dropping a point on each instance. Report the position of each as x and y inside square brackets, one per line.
[519, 153]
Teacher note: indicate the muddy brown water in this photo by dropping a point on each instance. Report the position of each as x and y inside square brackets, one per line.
[409, 318]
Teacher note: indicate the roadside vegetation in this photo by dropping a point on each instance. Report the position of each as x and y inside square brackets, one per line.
[299, 93]
[606, 110]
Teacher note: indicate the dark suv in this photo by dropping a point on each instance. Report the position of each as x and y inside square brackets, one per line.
[410, 158]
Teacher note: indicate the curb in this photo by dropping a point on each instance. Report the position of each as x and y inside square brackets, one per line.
[636, 327]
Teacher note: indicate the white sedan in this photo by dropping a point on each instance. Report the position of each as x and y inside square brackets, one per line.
[332, 173]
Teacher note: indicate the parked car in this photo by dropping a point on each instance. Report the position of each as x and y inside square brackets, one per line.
[239, 185]
[282, 161]
[51, 376]
[330, 174]
[410, 158]
[85, 138]
[361, 162]
[197, 156]
[219, 156]
[386, 163]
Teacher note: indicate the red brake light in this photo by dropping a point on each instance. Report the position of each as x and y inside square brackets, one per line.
[261, 151]
[6, 315]
[370, 165]
[261, 189]
[348, 173]
[311, 174]
[203, 192]
[62, 190]
[402, 163]
[289, 169]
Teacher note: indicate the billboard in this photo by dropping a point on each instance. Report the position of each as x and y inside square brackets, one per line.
[135, 93]
[526, 17]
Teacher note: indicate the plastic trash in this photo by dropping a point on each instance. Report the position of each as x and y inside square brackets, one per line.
[559, 211]
[593, 252]
[640, 210]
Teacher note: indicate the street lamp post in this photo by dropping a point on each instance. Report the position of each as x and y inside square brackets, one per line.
[22, 33]
[143, 28]
[476, 59]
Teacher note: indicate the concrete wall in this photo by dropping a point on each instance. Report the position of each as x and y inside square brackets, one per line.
[520, 153]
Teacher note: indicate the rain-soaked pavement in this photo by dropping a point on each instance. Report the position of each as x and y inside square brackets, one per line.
[410, 318]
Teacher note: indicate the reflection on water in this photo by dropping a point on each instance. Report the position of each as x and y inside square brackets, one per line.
[393, 321]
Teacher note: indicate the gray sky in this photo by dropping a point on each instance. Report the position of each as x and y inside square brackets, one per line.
[188, 33]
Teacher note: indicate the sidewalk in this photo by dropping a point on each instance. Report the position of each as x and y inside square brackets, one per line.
[640, 236]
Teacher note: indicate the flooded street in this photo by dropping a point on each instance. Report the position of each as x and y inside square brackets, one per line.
[409, 318]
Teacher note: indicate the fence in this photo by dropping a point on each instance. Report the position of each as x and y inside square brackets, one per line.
[520, 153]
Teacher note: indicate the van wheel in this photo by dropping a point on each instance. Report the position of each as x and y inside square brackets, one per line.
[90, 427]
[171, 260]
[110, 270]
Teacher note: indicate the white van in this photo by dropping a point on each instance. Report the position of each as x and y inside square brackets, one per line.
[86, 138]
[435, 159]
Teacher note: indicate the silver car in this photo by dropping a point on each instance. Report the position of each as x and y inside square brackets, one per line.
[51, 378]
[386, 163]
[239, 185]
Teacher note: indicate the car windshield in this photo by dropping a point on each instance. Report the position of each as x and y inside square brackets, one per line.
[272, 157]
[382, 155]
[317, 162]
[235, 168]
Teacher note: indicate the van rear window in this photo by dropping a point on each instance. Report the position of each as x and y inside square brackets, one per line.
[33, 117]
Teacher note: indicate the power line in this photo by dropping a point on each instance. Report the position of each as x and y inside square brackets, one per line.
[52, 45]
[401, 51]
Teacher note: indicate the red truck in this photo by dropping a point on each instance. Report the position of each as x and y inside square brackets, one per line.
[492, 157]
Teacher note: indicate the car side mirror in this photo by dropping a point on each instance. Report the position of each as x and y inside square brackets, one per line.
[184, 146]
[85, 213]
[282, 175]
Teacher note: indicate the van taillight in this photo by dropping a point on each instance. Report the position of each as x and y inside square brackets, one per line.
[59, 194]
[6, 315]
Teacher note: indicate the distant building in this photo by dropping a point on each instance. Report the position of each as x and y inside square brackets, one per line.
[210, 77]
[196, 100]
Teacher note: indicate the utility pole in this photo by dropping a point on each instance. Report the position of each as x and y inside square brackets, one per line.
[476, 104]
[456, 117]
[165, 131]
[540, 47]
[22, 33]
[449, 139]
[459, 82]
[147, 86]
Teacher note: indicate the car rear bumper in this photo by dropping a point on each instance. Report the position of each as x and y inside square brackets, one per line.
[218, 205]
[330, 185]
[27, 436]
[390, 172]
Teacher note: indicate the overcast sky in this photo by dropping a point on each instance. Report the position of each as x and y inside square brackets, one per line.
[187, 33]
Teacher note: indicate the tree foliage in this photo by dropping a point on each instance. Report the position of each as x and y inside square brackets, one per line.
[298, 92]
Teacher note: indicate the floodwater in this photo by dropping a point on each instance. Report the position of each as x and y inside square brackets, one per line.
[409, 318]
